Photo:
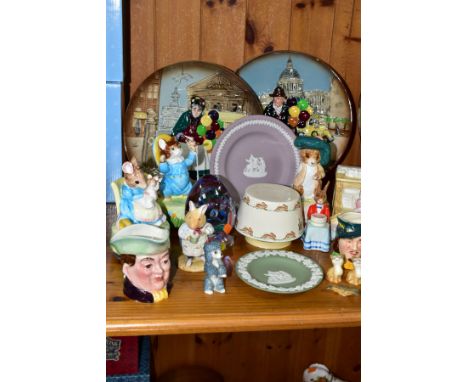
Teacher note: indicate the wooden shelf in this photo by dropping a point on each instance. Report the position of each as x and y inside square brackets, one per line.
[242, 308]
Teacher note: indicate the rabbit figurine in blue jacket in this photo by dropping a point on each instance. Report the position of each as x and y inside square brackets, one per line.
[215, 271]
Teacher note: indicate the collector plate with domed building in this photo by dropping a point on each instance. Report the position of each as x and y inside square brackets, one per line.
[307, 77]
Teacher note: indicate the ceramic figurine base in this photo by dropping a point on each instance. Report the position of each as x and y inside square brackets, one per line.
[267, 244]
[196, 266]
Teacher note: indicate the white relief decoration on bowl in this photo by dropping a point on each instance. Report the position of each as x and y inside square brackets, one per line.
[255, 168]
[315, 278]
[279, 277]
[249, 123]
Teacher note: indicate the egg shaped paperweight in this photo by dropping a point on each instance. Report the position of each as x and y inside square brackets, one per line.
[221, 212]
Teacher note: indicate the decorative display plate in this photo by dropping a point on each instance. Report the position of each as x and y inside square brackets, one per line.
[160, 100]
[304, 76]
[255, 149]
[279, 271]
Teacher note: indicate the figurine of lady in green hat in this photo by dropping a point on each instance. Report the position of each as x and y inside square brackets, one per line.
[144, 252]
[278, 108]
[186, 126]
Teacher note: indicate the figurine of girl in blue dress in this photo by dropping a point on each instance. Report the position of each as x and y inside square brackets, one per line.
[172, 164]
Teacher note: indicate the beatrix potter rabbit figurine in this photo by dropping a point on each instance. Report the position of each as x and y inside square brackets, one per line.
[138, 196]
[215, 271]
[172, 164]
[317, 233]
[321, 205]
[146, 209]
[193, 235]
[334, 273]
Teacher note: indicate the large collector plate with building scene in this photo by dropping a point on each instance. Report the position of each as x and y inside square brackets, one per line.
[255, 149]
[165, 95]
[279, 271]
[304, 76]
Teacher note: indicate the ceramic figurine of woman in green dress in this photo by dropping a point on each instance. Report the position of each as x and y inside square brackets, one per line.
[186, 126]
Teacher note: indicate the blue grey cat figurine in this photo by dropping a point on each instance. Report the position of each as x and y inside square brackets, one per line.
[215, 271]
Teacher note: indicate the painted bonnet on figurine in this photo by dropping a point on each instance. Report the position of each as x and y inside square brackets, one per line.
[144, 253]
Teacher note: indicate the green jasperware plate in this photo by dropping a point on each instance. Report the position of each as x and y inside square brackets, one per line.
[279, 271]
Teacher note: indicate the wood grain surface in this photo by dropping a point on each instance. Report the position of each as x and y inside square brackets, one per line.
[242, 308]
[312, 28]
[266, 29]
[267, 356]
[177, 32]
[222, 32]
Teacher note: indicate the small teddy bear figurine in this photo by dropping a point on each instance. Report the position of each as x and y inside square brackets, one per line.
[215, 271]
[193, 235]
[334, 273]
